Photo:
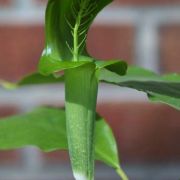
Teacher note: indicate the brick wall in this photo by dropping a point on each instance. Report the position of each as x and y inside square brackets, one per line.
[5, 2]
[25, 45]
[144, 132]
[147, 2]
[170, 38]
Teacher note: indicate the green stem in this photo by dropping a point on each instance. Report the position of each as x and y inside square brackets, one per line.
[81, 87]
[121, 174]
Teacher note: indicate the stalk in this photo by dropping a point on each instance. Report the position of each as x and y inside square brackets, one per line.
[81, 86]
[122, 174]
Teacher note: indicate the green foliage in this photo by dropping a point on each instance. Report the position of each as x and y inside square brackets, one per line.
[38, 79]
[45, 128]
[164, 89]
[33, 79]
[116, 66]
[67, 24]
[81, 85]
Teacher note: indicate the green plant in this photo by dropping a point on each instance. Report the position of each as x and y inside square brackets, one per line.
[78, 128]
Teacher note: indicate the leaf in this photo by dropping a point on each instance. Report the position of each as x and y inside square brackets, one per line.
[66, 26]
[33, 79]
[45, 128]
[81, 86]
[49, 65]
[116, 66]
[174, 102]
[38, 79]
[106, 148]
[164, 89]
[7, 85]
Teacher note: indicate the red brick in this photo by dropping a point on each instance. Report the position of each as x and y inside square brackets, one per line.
[7, 111]
[138, 2]
[41, 1]
[56, 157]
[147, 2]
[114, 42]
[5, 2]
[144, 132]
[170, 38]
[21, 47]
[9, 157]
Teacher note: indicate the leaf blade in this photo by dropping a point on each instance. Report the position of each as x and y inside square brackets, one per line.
[33, 79]
[164, 89]
[50, 65]
[31, 129]
[45, 128]
[106, 148]
[116, 66]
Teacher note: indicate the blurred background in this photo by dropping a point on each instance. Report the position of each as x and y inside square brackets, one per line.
[142, 32]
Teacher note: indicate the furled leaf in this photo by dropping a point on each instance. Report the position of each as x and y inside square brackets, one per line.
[66, 26]
[81, 86]
[164, 89]
[45, 128]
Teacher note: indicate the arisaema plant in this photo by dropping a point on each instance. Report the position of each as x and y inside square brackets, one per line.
[79, 128]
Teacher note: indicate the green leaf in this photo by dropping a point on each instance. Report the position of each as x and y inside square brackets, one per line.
[106, 148]
[81, 86]
[45, 128]
[164, 89]
[66, 26]
[174, 102]
[49, 65]
[116, 66]
[7, 84]
[33, 79]
[38, 79]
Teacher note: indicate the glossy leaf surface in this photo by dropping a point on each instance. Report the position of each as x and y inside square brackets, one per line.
[116, 66]
[45, 128]
[66, 24]
[164, 89]
[49, 65]
[106, 148]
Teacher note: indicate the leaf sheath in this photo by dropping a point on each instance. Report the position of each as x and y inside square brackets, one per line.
[81, 87]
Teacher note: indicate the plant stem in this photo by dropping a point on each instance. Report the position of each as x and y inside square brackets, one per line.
[81, 87]
[121, 174]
